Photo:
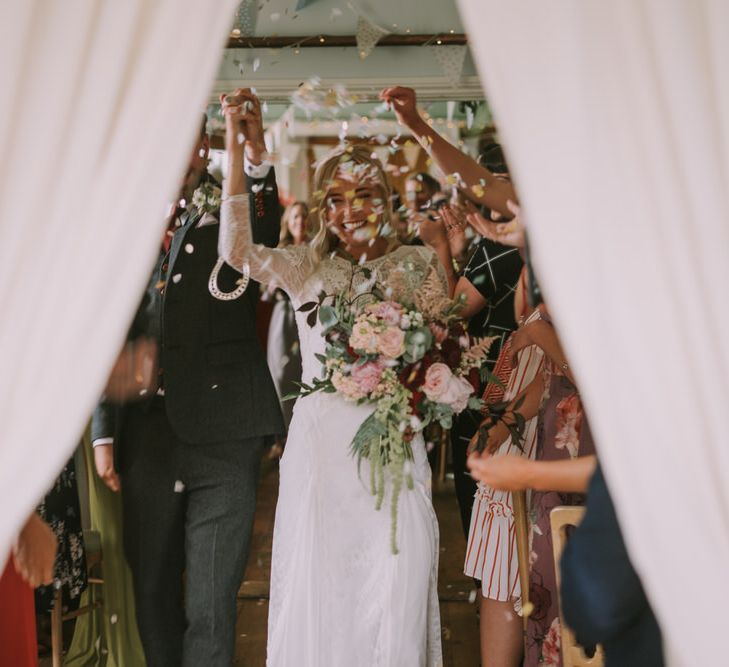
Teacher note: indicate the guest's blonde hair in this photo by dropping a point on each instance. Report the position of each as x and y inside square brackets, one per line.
[285, 237]
[324, 240]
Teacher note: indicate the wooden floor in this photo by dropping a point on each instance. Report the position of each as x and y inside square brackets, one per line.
[458, 610]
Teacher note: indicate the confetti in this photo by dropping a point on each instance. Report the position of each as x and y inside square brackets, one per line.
[189, 248]
[256, 64]
[179, 487]
[177, 278]
[275, 16]
[477, 190]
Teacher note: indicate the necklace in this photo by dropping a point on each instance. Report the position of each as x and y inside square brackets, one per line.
[215, 290]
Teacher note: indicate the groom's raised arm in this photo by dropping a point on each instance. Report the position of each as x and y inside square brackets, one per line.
[260, 178]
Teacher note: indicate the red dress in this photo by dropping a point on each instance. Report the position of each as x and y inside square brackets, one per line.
[17, 621]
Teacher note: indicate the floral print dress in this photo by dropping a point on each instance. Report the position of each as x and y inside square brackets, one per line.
[60, 510]
[562, 433]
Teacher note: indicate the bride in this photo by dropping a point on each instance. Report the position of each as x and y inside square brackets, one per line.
[338, 595]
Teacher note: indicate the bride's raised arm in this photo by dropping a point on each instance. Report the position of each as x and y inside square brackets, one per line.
[243, 140]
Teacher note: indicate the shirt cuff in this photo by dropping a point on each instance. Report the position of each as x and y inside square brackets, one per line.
[256, 170]
[102, 441]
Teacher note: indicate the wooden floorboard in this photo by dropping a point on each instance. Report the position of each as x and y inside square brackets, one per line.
[458, 611]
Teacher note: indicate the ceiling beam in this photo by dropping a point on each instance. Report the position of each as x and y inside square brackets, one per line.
[309, 41]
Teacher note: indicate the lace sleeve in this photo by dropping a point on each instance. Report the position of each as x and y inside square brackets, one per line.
[287, 267]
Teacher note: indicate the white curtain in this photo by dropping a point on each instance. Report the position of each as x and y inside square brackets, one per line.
[615, 117]
[101, 101]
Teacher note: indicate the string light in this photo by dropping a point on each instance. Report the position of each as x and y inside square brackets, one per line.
[235, 32]
[322, 40]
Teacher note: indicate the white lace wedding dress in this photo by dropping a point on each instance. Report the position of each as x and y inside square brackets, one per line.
[339, 597]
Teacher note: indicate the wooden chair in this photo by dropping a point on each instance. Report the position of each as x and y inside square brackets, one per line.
[573, 655]
[92, 548]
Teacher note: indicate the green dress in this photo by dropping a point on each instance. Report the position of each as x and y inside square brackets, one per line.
[106, 637]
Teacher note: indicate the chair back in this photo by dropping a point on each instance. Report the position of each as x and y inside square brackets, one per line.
[561, 519]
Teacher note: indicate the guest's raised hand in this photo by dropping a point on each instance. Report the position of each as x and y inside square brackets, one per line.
[454, 219]
[34, 552]
[104, 463]
[431, 229]
[403, 102]
[507, 233]
[507, 472]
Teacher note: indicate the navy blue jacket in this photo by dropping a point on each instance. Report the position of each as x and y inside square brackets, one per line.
[602, 598]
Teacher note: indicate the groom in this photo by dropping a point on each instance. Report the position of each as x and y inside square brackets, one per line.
[188, 456]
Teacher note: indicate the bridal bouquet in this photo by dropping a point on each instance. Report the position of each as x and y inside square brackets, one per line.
[414, 361]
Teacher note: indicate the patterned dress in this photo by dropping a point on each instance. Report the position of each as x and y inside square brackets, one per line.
[563, 433]
[60, 510]
[491, 555]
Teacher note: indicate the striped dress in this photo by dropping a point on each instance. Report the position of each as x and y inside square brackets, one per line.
[491, 555]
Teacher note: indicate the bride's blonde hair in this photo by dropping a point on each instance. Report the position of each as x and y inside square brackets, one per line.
[326, 173]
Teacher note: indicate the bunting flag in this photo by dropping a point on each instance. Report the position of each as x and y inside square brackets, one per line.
[245, 18]
[450, 59]
[368, 34]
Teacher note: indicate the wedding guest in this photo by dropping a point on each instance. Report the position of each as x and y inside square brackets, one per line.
[491, 544]
[61, 511]
[107, 635]
[562, 434]
[30, 565]
[423, 197]
[488, 286]
[421, 190]
[283, 353]
[188, 455]
[489, 281]
[603, 599]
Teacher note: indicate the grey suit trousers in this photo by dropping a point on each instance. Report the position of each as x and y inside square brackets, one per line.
[188, 508]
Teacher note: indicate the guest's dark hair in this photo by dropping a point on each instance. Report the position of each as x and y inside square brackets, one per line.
[492, 157]
[427, 180]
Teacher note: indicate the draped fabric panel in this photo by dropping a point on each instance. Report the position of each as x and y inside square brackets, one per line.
[615, 119]
[101, 103]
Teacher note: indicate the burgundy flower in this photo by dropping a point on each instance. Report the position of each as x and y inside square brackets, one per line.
[451, 351]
